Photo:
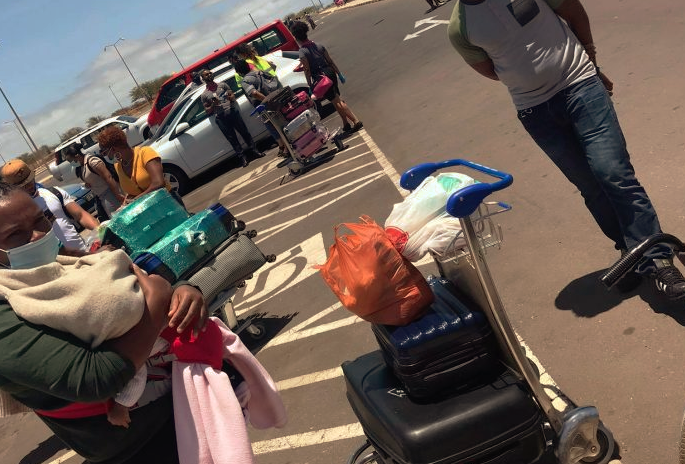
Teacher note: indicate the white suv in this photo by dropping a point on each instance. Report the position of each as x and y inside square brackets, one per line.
[63, 171]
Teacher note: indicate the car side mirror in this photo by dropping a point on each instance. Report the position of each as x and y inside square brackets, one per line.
[181, 128]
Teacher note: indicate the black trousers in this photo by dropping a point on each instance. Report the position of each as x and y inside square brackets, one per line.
[231, 122]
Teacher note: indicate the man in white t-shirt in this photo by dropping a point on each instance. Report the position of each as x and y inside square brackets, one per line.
[16, 172]
[543, 51]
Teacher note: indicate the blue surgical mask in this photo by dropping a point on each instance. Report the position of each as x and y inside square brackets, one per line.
[34, 254]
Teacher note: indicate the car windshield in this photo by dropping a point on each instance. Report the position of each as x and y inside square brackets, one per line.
[173, 115]
[170, 92]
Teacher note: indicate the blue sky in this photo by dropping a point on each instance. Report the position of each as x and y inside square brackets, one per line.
[56, 74]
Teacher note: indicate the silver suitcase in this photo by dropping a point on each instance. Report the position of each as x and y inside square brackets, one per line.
[301, 124]
[233, 262]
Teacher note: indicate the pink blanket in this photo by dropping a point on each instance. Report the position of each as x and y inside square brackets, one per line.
[211, 418]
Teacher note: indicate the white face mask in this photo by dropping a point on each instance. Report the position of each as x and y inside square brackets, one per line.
[34, 254]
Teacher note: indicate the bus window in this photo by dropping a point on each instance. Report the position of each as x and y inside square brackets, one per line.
[170, 92]
[267, 41]
[219, 60]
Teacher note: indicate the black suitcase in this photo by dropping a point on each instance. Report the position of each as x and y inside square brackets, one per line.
[498, 423]
[450, 348]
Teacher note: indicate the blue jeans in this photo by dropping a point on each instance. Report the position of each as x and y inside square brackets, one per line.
[578, 129]
[230, 122]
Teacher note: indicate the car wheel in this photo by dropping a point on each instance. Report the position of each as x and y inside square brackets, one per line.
[177, 179]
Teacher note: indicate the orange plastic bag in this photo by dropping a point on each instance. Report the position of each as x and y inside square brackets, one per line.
[372, 279]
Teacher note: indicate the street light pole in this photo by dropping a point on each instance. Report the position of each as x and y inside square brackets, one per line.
[35, 147]
[115, 97]
[172, 48]
[20, 132]
[253, 22]
[147, 97]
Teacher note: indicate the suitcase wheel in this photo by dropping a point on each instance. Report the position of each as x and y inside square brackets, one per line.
[251, 233]
[365, 454]
[270, 258]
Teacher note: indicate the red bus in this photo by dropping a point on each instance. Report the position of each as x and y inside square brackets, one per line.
[274, 36]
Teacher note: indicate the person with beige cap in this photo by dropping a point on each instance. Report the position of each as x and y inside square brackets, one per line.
[55, 203]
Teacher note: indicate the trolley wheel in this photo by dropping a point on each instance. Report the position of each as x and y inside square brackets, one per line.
[584, 439]
[257, 331]
[339, 144]
[251, 233]
[365, 454]
[240, 225]
[270, 258]
[606, 447]
[294, 171]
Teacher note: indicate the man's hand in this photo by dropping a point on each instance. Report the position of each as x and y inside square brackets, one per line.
[188, 306]
[607, 83]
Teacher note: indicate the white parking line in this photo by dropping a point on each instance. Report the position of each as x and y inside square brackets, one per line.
[64, 458]
[309, 379]
[328, 179]
[388, 168]
[301, 440]
[368, 178]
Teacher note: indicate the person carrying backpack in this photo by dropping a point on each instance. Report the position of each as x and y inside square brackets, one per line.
[318, 63]
[257, 84]
[96, 175]
[56, 204]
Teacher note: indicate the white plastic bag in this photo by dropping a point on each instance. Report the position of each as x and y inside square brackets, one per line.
[420, 222]
[435, 236]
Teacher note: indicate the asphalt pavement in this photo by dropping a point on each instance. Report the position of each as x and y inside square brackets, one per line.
[419, 102]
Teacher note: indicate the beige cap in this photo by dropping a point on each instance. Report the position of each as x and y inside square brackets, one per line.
[16, 172]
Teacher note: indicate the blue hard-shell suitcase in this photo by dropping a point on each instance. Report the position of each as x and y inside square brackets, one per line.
[496, 423]
[450, 348]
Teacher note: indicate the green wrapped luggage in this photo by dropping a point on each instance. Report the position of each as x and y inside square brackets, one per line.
[188, 245]
[140, 224]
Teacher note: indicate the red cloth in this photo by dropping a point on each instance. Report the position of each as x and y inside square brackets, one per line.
[77, 410]
[207, 348]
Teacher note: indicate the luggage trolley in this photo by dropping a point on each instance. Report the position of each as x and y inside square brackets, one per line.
[300, 128]
[224, 272]
[579, 435]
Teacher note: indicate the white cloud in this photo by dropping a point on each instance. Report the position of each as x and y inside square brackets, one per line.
[147, 58]
[206, 3]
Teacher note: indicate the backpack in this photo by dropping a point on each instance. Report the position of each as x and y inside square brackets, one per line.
[267, 84]
[59, 196]
[110, 167]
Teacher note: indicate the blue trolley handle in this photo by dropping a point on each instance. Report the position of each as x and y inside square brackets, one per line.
[465, 201]
[258, 110]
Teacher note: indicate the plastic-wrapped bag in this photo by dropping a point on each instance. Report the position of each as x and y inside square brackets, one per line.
[435, 236]
[372, 279]
[427, 203]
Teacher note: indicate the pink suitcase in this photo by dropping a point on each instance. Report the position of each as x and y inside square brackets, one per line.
[306, 138]
[320, 137]
[297, 105]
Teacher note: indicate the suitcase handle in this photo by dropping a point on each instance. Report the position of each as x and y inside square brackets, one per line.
[465, 201]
